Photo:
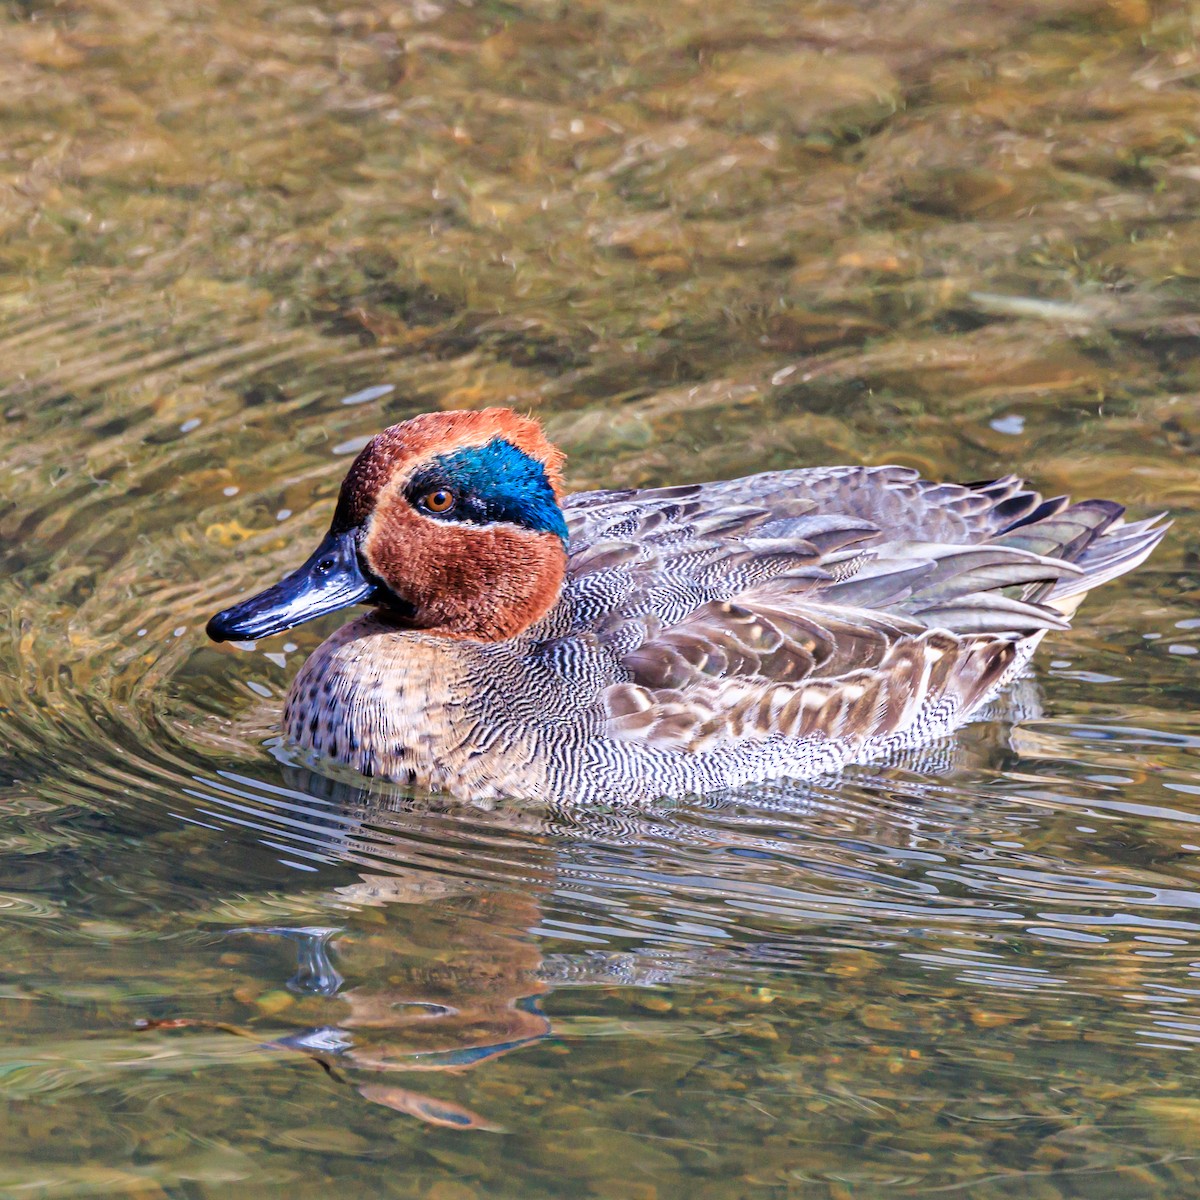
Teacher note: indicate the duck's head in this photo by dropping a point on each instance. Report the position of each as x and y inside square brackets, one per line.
[448, 523]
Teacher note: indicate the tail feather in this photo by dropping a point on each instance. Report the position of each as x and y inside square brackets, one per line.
[1119, 548]
[1091, 535]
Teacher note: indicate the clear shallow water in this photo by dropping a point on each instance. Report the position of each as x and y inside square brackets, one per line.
[697, 244]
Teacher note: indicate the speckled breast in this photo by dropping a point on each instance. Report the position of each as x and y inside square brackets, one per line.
[423, 711]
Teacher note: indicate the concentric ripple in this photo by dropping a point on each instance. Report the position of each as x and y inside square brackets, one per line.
[1014, 909]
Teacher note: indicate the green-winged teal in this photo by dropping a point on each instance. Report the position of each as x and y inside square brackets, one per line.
[615, 646]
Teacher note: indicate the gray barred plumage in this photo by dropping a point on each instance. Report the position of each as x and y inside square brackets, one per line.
[716, 635]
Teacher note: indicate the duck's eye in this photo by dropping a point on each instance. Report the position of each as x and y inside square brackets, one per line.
[438, 502]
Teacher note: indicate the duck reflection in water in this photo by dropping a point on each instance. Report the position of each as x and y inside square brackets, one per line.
[462, 981]
[449, 973]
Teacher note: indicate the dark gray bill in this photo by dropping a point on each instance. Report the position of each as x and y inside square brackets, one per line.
[331, 579]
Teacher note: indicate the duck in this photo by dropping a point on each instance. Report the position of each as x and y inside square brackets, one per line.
[629, 645]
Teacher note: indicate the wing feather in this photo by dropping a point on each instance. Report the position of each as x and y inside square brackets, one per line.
[832, 603]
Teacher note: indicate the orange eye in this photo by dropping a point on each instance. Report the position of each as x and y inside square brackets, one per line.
[438, 502]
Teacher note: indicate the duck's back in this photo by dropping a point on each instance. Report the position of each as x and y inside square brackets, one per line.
[776, 623]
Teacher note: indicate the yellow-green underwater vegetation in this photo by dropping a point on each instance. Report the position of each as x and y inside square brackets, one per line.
[696, 241]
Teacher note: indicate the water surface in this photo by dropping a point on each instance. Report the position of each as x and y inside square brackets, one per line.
[240, 238]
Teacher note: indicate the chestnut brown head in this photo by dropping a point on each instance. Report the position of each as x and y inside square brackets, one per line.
[448, 522]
